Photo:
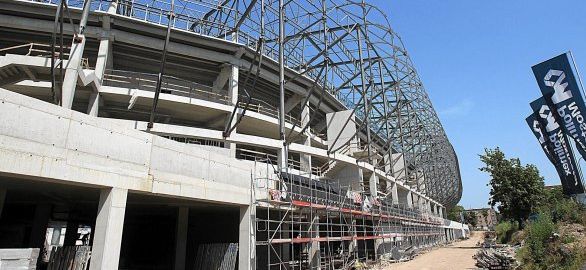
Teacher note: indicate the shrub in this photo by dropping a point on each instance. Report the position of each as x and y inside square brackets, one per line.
[538, 234]
[505, 230]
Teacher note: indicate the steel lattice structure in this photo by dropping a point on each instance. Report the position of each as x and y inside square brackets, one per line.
[349, 49]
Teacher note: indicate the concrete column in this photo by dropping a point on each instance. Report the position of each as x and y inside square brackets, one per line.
[372, 185]
[181, 237]
[40, 223]
[72, 71]
[103, 62]
[305, 160]
[56, 236]
[104, 59]
[409, 199]
[233, 93]
[440, 211]
[378, 251]
[2, 200]
[71, 232]
[314, 254]
[246, 239]
[108, 230]
[285, 249]
[113, 6]
[394, 193]
[93, 104]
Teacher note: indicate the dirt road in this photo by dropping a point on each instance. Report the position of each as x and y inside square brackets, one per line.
[452, 257]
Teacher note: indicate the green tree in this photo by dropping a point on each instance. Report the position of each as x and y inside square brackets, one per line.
[470, 218]
[516, 189]
[454, 213]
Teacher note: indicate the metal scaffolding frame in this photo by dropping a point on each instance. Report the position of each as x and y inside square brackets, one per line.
[302, 223]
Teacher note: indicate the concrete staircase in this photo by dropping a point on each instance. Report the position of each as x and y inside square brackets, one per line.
[15, 68]
[11, 74]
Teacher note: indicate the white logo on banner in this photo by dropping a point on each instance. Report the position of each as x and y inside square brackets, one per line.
[537, 129]
[546, 114]
[559, 86]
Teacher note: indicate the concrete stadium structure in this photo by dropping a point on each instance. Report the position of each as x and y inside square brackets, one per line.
[298, 130]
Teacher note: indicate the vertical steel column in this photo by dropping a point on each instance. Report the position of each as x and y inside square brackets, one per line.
[284, 150]
[163, 62]
[365, 100]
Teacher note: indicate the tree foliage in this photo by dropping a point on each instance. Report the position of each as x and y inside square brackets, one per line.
[470, 218]
[516, 189]
[454, 213]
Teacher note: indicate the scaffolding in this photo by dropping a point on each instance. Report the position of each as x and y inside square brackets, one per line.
[303, 222]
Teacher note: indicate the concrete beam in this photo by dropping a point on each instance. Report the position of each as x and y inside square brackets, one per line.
[222, 79]
[108, 230]
[292, 102]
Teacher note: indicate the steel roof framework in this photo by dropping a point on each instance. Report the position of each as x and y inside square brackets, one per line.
[349, 48]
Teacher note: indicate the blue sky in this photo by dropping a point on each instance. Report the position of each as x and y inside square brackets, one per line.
[475, 58]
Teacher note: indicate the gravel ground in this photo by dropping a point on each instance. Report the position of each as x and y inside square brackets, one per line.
[452, 257]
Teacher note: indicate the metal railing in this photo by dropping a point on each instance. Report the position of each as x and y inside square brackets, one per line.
[247, 154]
[170, 85]
[40, 50]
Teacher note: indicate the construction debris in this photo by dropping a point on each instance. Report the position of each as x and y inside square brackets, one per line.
[496, 258]
[69, 258]
[18, 258]
[220, 256]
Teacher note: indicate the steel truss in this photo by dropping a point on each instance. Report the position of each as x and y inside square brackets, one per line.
[349, 49]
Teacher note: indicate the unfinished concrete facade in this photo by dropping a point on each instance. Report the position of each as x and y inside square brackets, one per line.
[77, 151]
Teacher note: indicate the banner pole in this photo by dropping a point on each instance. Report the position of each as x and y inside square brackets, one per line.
[577, 73]
[583, 93]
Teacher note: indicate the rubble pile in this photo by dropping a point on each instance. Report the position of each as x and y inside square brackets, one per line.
[496, 258]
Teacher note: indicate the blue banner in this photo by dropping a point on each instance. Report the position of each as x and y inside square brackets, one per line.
[544, 142]
[560, 87]
[558, 146]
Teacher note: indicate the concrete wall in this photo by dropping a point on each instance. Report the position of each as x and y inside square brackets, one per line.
[336, 129]
[44, 141]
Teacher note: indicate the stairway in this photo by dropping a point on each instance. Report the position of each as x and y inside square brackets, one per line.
[10, 75]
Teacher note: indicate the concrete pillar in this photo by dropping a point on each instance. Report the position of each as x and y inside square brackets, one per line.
[113, 6]
[71, 232]
[40, 223]
[410, 199]
[305, 160]
[246, 239]
[108, 230]
[394, 193]
[72, 71]
[56, 236]
[181, 237]
[93, 104]
[285, 249]
[233, 76]
[3, 192]
[104, 59]
[372, 185]
[314, 254]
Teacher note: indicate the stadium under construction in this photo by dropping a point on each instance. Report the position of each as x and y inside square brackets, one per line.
[216, 134]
